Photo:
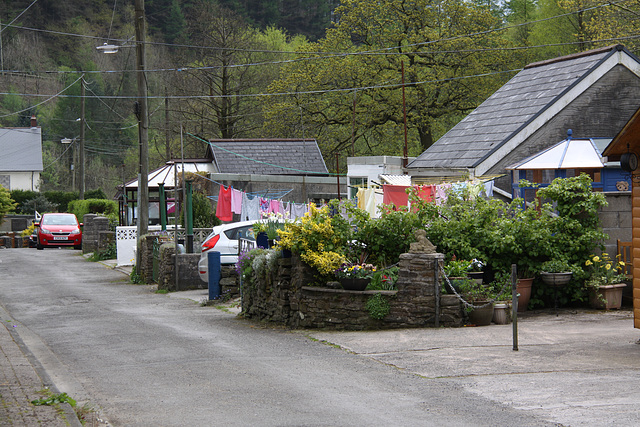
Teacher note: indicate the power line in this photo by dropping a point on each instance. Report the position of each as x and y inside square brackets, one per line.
[40, 103]
[379, 51]
[16, 18]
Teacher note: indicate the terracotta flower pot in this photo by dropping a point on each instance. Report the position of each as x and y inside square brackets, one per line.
[523, 288]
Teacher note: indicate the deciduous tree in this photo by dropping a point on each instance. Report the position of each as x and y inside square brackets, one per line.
[443, 45]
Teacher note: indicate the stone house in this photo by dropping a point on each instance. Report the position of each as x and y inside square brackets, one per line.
[593, 93]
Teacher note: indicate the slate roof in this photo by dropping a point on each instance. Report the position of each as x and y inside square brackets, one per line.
[508, 110]
[20, 150]
[268, 156]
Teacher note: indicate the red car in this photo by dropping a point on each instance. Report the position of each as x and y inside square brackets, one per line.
[59, 229]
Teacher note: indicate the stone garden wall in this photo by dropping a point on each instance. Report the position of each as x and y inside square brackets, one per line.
[284, 297]
[188, 276]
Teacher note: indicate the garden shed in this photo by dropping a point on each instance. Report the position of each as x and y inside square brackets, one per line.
[626, 146]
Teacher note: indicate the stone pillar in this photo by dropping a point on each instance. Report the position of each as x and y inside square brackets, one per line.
[89, 234]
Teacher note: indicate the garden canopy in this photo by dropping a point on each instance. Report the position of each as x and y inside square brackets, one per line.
[567, 154]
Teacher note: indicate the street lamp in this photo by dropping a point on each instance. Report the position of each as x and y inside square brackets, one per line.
[108, 48]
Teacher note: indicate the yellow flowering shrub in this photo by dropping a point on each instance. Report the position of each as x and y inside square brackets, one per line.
[319, 238]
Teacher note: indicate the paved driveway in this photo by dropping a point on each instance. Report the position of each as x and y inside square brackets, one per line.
[577, 368]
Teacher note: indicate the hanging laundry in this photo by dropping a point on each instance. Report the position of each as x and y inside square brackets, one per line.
[274, 206]
[425, 192]
[250, 208]
[442, 191]
[264, 206]
[379, 197]
[223, 207]
[370, 201]
[395, 194]
[284, 209]
[298, 210]
[488, 188]
[236, 201]
[360, 198]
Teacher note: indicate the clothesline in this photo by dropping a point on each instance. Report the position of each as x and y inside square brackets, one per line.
[371, 199]
[250, 206]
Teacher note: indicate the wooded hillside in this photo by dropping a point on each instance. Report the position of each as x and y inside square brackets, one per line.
[274, 68]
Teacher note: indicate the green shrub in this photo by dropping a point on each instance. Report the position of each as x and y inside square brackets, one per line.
[385, 238]
[61, 199]
[22, 196]
[38, 203]
[377, 306]
[108, 208]
[95, 194]
[6, 202]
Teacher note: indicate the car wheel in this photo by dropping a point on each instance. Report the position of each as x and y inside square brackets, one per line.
[77, 248]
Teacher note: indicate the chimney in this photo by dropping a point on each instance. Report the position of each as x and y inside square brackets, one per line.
[34, 122]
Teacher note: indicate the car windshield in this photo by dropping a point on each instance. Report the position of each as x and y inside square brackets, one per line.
[59, 220]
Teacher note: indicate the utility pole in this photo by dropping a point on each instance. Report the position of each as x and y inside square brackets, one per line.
[81, 154]
[143, 122]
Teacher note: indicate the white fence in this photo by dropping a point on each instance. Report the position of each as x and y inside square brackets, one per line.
[127, 236]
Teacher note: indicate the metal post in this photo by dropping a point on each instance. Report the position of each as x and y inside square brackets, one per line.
[163, 207]
[436, 278]
[188, 218]
[514, 305]
[213, 262]
[405, 151]
[338, 172]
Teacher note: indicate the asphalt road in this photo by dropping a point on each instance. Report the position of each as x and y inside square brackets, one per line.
[145, 359]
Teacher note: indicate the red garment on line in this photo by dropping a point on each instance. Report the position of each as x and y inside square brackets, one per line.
[223, 208]
[426, 192]
[395, 194]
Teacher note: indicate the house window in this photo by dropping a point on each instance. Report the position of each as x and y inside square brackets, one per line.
[5, 181]
[354, 184]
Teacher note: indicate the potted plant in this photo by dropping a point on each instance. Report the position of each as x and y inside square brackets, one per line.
[479, 300]
[355, 277]
[556, 272]
[260, 231]
[523, 288]
[475, 270]
[456, 272]
[606, 281]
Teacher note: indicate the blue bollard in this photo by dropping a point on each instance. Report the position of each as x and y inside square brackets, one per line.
[213, 262]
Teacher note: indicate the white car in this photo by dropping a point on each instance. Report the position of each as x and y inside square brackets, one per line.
[224, 239]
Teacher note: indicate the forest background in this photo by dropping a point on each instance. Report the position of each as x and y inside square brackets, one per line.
[324, 69]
